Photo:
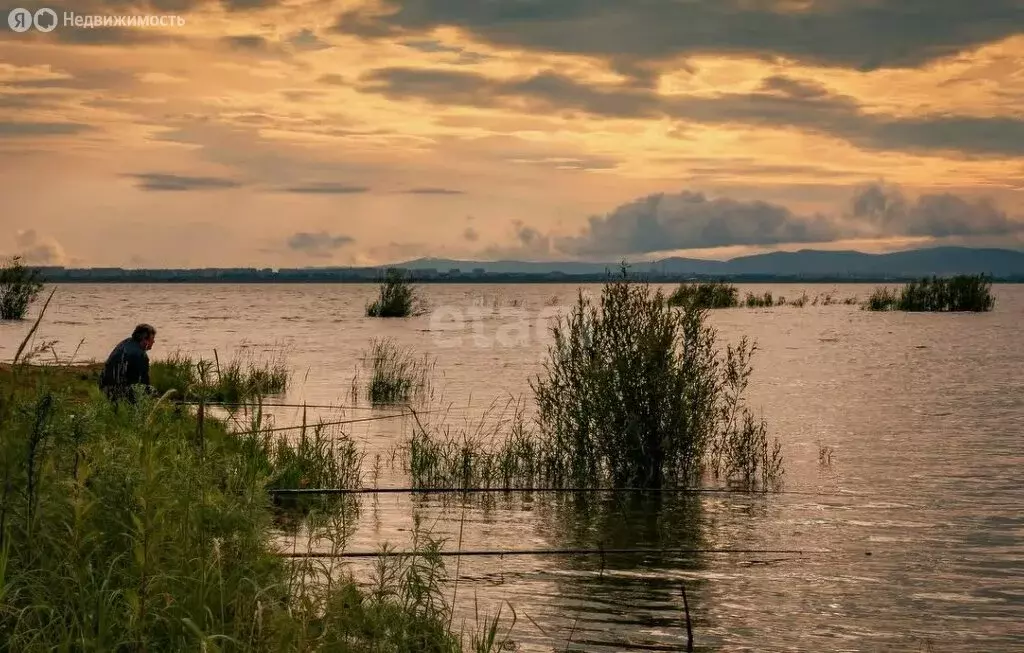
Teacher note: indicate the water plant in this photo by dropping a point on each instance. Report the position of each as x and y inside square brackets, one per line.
[19, 287]
[705, 295]
[634, 393]
[240, 380]
[396, 373]
[759, 301]
[938, 294]
[396, 298]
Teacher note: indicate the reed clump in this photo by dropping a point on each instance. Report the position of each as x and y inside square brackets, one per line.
[634, 393]
[19, 287]
[960, 293]
[240, 380]
[397, 375]
[397, 297]
[705, 295]
[760, 301]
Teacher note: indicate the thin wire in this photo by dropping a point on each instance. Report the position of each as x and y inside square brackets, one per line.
[254, 405]
[322, 424]
[577, 490]
[533, 552]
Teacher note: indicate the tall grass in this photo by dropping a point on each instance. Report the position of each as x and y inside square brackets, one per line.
[397, 297]
[147, 529]
[971, 293]
[19, 287]
[705, 295]
[240, 380]
[634, 393]
[397, 375]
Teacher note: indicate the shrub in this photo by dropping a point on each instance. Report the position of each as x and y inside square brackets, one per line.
[760, 301]
[19, 287]
[705, 295]
[635, 391]
[397, 297]
[958, 293]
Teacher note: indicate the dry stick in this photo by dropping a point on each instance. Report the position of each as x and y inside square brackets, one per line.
[32, 331]
[689, 629]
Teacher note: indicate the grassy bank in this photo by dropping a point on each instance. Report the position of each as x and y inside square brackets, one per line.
[150, 528]
[967, 293]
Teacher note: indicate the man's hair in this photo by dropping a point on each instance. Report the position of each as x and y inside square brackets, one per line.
[142, 332]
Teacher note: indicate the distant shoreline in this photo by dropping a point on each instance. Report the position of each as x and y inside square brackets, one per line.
[509, 280]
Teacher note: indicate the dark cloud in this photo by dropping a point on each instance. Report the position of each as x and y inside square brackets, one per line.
[531, 238]
[862, 34]
[527, 243]
[471, 235]
[939, 215]
[430, 46]
[247, 42]
[244, 5]
[320, 244]
[781, 102]
[163, 6]
[327, 188]
[157, 181]
[688, 220]
[307, 40]
[433, 191]
[29, 129]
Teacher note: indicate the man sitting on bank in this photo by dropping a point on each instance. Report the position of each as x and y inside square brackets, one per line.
[128, 365]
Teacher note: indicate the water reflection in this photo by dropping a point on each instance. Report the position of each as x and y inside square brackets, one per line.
[612, 601]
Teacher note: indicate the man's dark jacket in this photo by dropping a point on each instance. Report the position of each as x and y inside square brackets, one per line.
[126, 366]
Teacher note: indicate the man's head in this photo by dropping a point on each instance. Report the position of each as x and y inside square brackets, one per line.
[145, 335]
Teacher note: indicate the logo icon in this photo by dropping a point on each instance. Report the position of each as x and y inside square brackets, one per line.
[20, 20]
[45, 19]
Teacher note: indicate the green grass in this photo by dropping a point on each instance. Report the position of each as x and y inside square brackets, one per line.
[240, 380]
[146, 528]
[705, 295]
[964, 293]
[397, 375]
[397, 297]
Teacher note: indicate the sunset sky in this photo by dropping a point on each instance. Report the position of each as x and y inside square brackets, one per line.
[340, 132]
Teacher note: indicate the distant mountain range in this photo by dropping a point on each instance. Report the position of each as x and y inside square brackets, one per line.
[941, 261]
[804, 265]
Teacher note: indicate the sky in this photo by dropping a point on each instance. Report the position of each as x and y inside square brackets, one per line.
[284, 133]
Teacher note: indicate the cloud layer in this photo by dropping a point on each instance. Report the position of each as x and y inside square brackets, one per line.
[689, 220]
[361, 131]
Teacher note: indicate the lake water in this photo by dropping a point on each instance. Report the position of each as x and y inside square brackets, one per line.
[911, 537]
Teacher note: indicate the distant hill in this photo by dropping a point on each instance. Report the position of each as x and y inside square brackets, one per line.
[1002, 263]
[805, 265]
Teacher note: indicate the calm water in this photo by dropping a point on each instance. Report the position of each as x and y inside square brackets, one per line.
[923, 414]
